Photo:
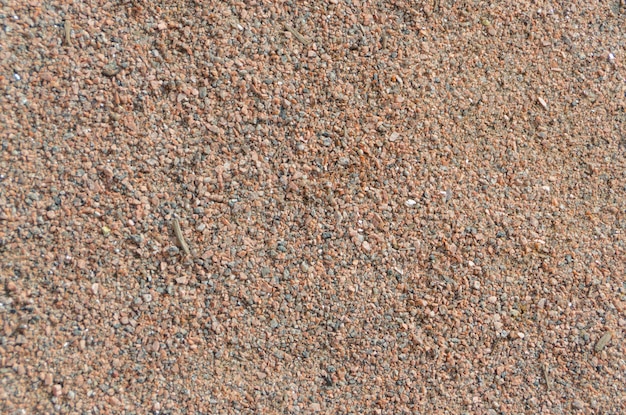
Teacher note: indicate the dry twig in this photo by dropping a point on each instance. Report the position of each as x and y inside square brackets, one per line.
[67, 28]
[297, 35]
[546, 377]
[180, 237]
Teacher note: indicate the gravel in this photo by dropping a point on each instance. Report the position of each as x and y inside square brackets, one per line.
[390, 207]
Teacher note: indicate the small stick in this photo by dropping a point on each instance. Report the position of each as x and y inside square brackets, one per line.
[604, 340]
[546, 376]
[297, 35]
[180, 237]
[68, 32]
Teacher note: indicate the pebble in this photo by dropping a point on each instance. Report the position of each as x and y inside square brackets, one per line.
[366, 246]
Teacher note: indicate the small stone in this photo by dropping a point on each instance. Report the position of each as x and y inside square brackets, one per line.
[366, 246]
[110, 70]
[381, 128]
[48, 379]
[11, 287]
[57, 390]
[304, 267]
[394, 137]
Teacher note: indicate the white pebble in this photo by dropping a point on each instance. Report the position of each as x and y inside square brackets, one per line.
[394, 137]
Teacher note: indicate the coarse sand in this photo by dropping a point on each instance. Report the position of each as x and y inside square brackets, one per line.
[283, 207]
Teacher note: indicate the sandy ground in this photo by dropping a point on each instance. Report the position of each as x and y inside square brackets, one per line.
[384, 207]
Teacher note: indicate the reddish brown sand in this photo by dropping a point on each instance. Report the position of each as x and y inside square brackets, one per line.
[389, 207]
